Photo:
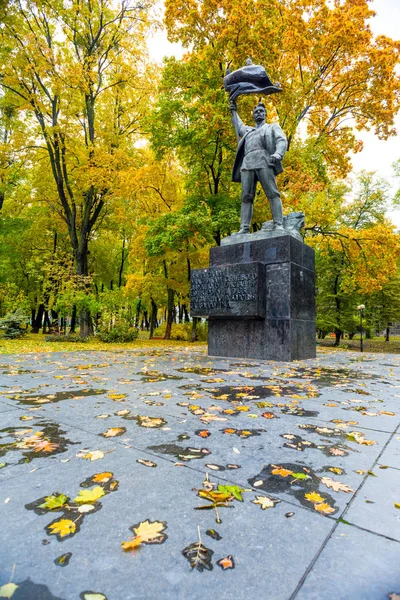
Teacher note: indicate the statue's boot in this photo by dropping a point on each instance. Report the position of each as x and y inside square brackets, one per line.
[277, 215]
[245, 217]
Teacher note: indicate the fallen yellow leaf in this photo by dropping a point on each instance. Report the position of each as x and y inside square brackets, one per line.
[63, 527]
[324, 508]
[314, 497]
[102, 477]
[88, 496]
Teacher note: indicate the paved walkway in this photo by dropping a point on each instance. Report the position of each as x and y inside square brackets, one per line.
[297, 465]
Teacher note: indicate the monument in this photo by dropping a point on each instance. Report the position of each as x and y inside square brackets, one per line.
[259, 291]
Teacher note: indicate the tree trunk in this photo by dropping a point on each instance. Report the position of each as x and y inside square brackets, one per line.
[73, 320]
[338, 335]
[170, 313]
[85, 318]
[387, 333]
[37, 321]
[153, 318]
[351, 335]
[186, 314]
[193, 336]
[46, 322]
[121, 266]
[85, 323]
[137, 317]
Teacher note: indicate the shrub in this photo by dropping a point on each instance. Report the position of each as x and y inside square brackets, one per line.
[14, 324]
[119, 333]
[202, 331]
[183, 331]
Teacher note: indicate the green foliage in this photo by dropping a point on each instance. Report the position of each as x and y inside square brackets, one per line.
[183, 331]
[120, 333]
[14, 324]
[180, 331]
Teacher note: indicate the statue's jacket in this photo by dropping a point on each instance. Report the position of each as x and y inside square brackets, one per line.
[274, 141]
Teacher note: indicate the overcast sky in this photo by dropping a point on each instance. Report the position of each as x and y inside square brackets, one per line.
[377, 155]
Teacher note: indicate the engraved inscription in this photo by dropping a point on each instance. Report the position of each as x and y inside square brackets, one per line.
[226, 291]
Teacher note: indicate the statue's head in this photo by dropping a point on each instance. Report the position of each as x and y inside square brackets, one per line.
[259, 113]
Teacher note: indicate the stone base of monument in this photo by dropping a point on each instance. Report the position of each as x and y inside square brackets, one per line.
[259, 297]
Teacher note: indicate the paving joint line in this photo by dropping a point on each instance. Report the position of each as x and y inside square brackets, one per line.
[328, 537]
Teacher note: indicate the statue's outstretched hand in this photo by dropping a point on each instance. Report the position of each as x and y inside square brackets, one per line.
[232, 105]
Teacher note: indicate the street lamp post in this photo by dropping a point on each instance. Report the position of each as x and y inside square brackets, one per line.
[360, 308]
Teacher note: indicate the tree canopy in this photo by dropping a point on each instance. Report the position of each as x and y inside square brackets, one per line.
[115, 173]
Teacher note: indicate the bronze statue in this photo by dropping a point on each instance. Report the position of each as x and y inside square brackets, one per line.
[260, 149]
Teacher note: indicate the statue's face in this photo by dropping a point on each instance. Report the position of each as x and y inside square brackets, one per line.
[259, 114]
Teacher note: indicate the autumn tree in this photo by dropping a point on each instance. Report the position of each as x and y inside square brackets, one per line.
[324, 54]
[76, 73]
[167, 243]
[356, 250]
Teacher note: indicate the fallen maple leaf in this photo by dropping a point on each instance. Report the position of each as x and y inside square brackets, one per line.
[281, 471]
[102, 477]
[117, 396]
[147, 532]
[357, 436]
[54, 502]
[89, 496]
[91, 455]
[145, 421]
[324, 508]
[314, 497]
[204, 433]
[7, 590]
[265, 502]
[336, 452]
[336, 470]
[235, 490]
[62, 528]
[226, 563]
[268, 415]
[114, 432]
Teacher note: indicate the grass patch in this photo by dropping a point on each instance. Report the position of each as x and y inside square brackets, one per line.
[373, 345]
[36, 342]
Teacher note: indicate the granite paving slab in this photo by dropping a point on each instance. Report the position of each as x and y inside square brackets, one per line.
[251, 536]
[391, 454]
[297, 442]
[354, 564]
[374, 508]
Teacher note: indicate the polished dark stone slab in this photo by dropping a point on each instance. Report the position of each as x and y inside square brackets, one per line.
[288, 330]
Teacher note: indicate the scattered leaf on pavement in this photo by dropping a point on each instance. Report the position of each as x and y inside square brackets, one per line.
[226, 563]
[265, 502]
[62, 528]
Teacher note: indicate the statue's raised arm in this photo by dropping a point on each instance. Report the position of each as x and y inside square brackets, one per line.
[239, 126]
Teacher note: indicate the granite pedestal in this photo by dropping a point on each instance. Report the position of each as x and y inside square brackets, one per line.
[259, 297]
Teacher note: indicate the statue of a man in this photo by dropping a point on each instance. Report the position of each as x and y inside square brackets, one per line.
[258, 158]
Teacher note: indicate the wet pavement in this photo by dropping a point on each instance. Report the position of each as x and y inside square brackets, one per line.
[165, 474]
